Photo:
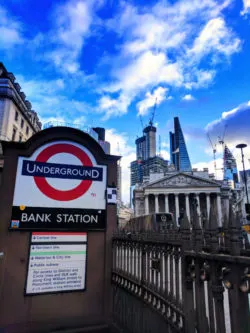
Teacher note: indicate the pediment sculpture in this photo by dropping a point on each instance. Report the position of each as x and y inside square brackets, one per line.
[182, 180]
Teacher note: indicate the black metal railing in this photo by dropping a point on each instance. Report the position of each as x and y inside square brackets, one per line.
[184, 279]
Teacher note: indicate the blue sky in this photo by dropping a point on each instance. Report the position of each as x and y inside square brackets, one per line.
[104, 62]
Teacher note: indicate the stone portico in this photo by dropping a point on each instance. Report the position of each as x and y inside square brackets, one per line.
[178, 193]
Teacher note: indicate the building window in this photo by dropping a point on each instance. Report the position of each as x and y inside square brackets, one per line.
[27, 130]
[20, 137]
[22, 123]
[14, 134]
[16, 116]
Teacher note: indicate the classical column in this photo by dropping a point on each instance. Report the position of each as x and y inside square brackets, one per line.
[156, 204]
[177, 211]
[146, 205]
[219, 212]
[208, 204]
[166, 204]
[187, 206]
[197, 196]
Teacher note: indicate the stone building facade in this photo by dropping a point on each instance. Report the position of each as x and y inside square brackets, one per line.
[178, 192]
[18, 122]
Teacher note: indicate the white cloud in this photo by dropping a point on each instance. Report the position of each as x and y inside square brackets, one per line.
[188, 97]
[10, 30]
[215, 37]
[199, 78]
[49, 98]
[80, 121]
[161, 27]
[218, 172]
[166, 44]
[165, 154]
[41, 87]
[158, 96]
[73, 21]
[236, 122]
[148, 69]
[119, 146]
[165, 144]
[246, 7]
[114, 107]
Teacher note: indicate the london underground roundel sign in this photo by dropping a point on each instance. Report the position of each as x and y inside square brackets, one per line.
[58, 194]
[59, 186]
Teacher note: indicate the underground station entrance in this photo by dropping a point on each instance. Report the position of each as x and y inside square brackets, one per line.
[57, 218]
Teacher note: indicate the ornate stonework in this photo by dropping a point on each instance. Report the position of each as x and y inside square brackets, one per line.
[182, 180]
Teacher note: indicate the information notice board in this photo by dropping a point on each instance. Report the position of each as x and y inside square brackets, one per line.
[57, 262]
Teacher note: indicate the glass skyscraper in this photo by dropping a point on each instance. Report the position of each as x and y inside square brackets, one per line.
[230, 167]
[178, 150]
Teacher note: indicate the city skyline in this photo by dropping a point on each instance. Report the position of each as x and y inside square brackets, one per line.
[104, 63]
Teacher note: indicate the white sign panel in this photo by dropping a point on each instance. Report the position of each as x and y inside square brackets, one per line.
[60, 174]
[60, 186]
[56, 268]
[61, 237]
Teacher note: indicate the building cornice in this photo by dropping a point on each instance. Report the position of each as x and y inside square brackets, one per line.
[12, 90]
[7, 90]
[182, 190]
[209, 182]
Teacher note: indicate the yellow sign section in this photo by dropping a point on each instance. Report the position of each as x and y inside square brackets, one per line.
[246, 227]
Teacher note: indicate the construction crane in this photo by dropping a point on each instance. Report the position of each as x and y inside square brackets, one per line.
[221, 138]
[151, 120]
[222, 143]
[142, 125]
[214, 154]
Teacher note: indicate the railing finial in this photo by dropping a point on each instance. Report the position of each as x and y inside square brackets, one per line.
[213, 224]
[196, 220]
[185, 223]
[206, 223]
[232, 218]
[235, 232]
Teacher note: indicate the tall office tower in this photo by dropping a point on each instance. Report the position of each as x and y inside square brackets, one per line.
[150, 141]
[141, 148]
[145, 151]
[140, 169]
[230, 168]
[178, 150]
[146, 159]
[18, 122]
[136, 172]
[146, 144]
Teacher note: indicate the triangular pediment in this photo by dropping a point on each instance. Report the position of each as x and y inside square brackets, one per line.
[183, 180]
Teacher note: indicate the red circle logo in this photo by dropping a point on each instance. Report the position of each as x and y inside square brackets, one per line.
[50, 191]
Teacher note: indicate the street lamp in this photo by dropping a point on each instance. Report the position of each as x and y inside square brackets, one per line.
[241, 146]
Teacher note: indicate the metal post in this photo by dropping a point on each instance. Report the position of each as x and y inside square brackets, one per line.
[241, 146]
